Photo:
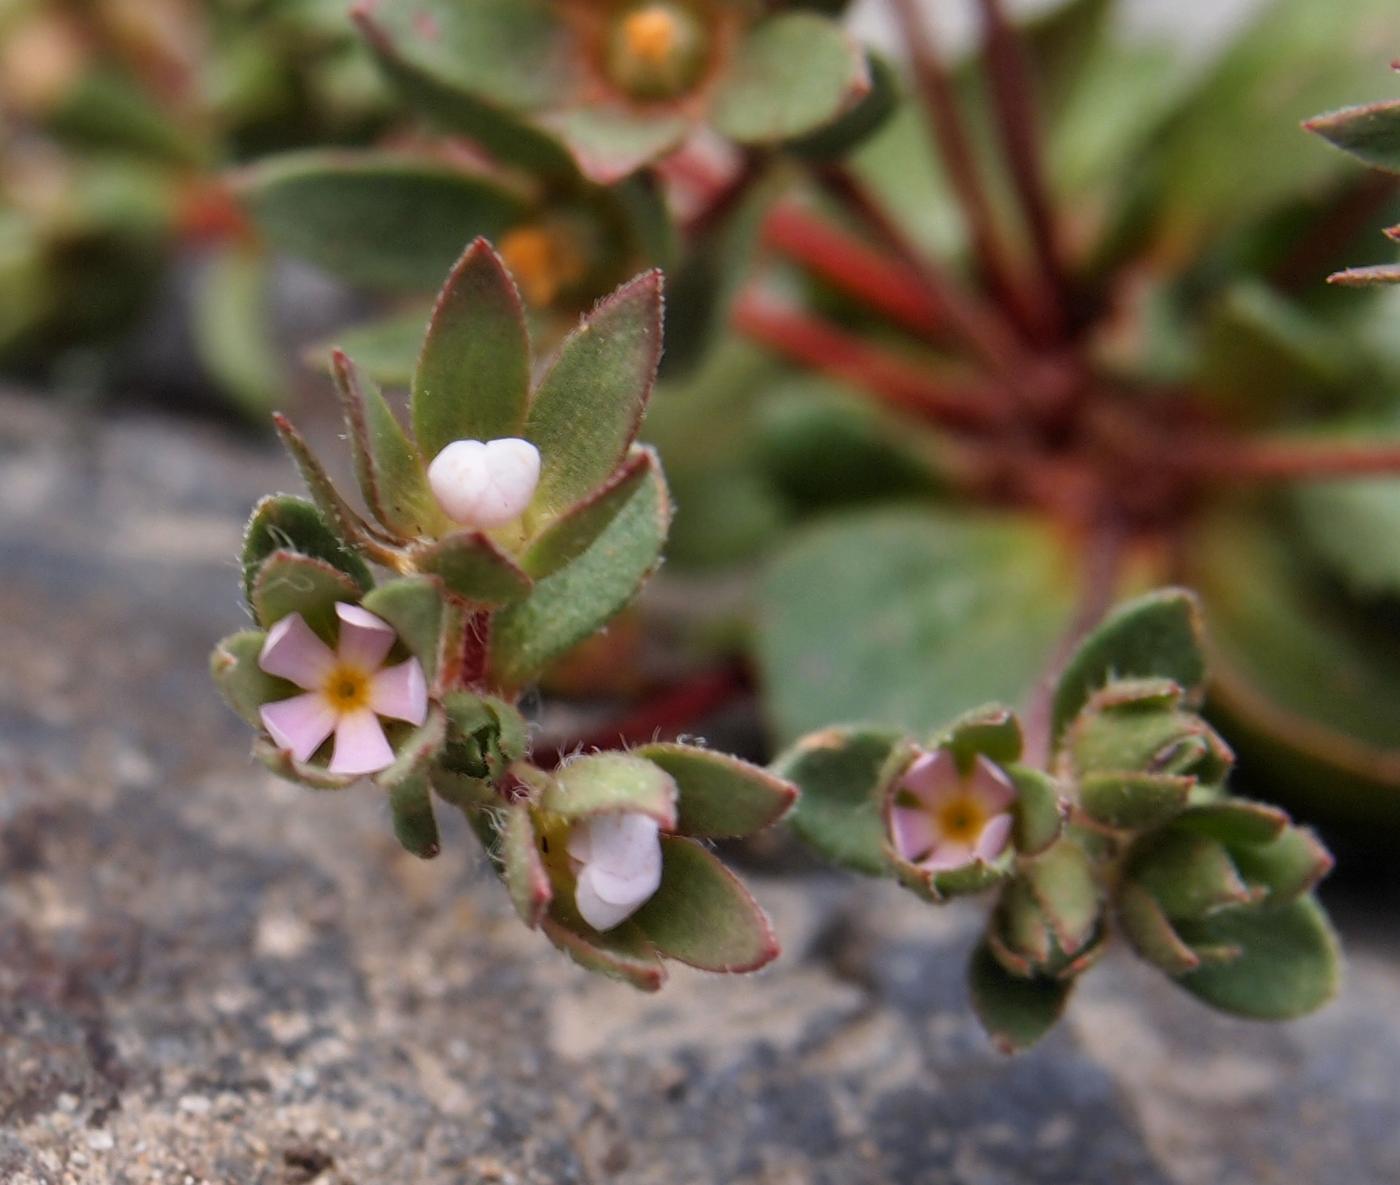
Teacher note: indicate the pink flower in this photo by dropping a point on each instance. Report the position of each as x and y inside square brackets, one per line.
[942, 818]
[345, 691]
[619, 866]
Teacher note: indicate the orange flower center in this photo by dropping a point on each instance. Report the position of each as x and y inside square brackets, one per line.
[544, 260]
[650, 34]
[961, 819]
[657, 50]
[347, 688]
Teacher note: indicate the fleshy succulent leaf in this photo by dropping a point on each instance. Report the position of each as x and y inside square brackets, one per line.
[284, 523]
[417, 752]
[1151, 932]
[1287, 867]
[622, 953]
[588, 406]
[612, 142]
[792, 74]
[410, 803]
[702, 915]
[1188, 874]
[842, 775]
[1155, 636]
[720, 796]
[241, 681]
[1037, 813]
[1132, 801]
[1289, 963]
[288, 582]
[473, 376]
[1062, 882]
[522, 869]
[1016, 1012]
[1370, 132]
[1234, 821]
[472, 567]
[992, 731]
[574, 532]
[609, 782]
[414, 606]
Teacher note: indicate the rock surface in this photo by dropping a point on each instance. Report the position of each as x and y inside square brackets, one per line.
[207, 976]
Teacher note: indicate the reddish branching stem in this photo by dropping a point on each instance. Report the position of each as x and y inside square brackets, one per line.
[898, 383]
[1286, 460]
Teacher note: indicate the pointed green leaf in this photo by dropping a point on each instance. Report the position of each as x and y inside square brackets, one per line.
[603, 782]
[609, 143]
[1188, 874]
[1150, 931]
[1290, 866]
[589, 404]
[243, 684]
[1289, 963]
[283, 523]
[1234, 821]
[622, 953]
[346, 523]
[992, 732]
[1370, 132]
[842, 775]
[1064, 886]
[523, 871]
[417, 752]
[414, 606]
[1364, 277]
[1015, 1012]
[720, 796]
[1133, 801]
[1038, 816]
[473, 376]
[473, 568]
[390, 471]
[1155, 636]
[572, 534]
[792, 74]
[578, 600]
[375, 218]
[702, 915]
[863, 119]
[414, 824]
[288, 582]
[304, 773]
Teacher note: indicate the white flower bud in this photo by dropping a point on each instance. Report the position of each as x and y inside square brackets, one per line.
[485, 484]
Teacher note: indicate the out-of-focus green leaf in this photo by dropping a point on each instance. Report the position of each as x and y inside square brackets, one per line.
[1016, 1012]
[1370, 132]
[231, 329]
[386, 349]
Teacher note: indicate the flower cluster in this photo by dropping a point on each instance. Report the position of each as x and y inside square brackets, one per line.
[511, 523]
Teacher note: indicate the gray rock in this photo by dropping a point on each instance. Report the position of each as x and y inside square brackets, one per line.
[210, 976]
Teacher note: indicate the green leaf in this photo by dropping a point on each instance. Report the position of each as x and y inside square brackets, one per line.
[589, 405]
[1370, 132]
[580, 599]
[1016, 1012]
[1037, 813]
[386, 348]
[720, 796]
[417, 753]
[842, 775]
[609, 143]
[794, 73]
[604, 782]
[473, 376]
[232, 334]
[522, 869]
[952, 610]
[571, 535]
[1155, 636]
[1289, 963]
[414, 607]
[1352, 525]
[1151, 932]
[288, 582]
[992, 732]
[1188, 874]
[1064, 887]
[281, 522]
[375, 218]
[622, 953]
[1287, 867]
[303, 773]
[1133, 801]
[1364, 277]
[473, 568]
[243, 684]
[1234, 821]
[416, 829]
[387, 465]
[348, 525]
[858, 122]
[702, 915]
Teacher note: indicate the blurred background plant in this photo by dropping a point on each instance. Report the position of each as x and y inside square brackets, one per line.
[962, 344]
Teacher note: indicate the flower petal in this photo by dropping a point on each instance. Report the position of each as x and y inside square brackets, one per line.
[400, 692]
[932, 777]
[948, 855]
[485, 484]
[365, 640]
[991, 787]
[913, 832]
[360, 744]
[994, 838]
[299, 724]
[598, 913]
[622, 866]
[293, 651]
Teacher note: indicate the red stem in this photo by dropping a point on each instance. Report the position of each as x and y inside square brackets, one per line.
[901, 384]
[664, 716]
[1012, 90]
[1283, 460]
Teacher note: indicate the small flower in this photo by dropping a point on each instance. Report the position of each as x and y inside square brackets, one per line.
[345, 691]
[485, 484]
[657, 50]
[943, 818]
[619, 866]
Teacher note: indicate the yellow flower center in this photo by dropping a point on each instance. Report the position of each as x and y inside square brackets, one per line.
[961, 819]
[347, 688]
[544, 260]
[657, 50]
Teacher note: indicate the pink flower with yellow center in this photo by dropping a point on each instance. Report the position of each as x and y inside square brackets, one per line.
[943, 818]
[344, 691]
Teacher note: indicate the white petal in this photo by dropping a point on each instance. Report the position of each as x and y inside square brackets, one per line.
[598, 913]
[365, 640]
[400, 692]
[621, 857]
[360, 745]
[299, 724]
[485, 484]
[293, 651]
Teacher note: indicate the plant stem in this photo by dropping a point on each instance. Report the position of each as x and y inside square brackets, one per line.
[901, 384]
[664, 716]
[953, 146]
[888, 286]
[1286, 460]
[1013, 92]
